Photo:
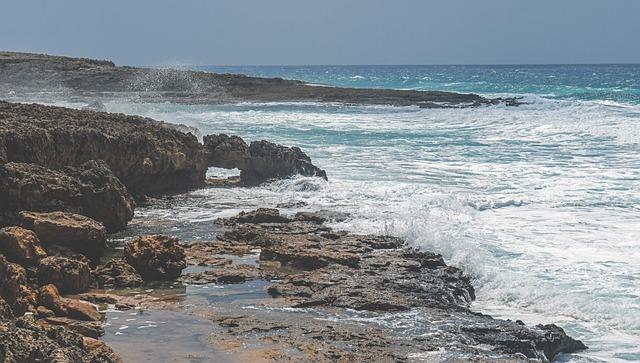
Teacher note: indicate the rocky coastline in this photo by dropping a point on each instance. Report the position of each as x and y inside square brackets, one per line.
[70, 178]
[31, 76]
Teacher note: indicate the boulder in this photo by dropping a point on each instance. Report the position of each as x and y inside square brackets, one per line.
[5, 311]
[90, 189]
[68, 275]
[78, 233]
[21, 245]
[13, 287]
[49, 297]
[260, 161]
[156, 257]
[25, 340]
[117, 273]
[260, 215]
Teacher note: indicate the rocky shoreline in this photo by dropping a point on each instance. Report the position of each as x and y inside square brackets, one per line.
[70, 178]
[31, 76]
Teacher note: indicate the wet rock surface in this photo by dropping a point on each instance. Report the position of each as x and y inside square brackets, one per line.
[260, 161]
[156, 257]
[25, 73]
[414, 305]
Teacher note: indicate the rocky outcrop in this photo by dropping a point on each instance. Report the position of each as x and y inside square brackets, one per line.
[78, 233]
[156, 257]
[21, 245]
[145, 155]
[117, 273]
[26, 73]
[24, 340]
[13, 287]
[68, 275]
[49, 297]
[260, 161]
[89, 189]
[382, 278]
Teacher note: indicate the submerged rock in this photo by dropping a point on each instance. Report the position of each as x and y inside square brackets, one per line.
[260, 161]
[68, 275]
[156, 257]
[78, 233]
[21, 245]
[90, 189]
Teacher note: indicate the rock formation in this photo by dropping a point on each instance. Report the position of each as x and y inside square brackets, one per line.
[260, 161]
[21, 245]
[156, 257]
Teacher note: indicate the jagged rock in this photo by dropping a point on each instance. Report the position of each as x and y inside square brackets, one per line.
[24, 340]
[321, 216]
[13, 286]
[147, 156]
[21, 245]
[60, 251]
[117, 273]
[89, 329]
[260, 215]
[5, 311]
[90, 189]
[78, 233]
[260, 161]
[225, 275]
[68, 275]
[43, 312]
[49, 297]
[156, 257]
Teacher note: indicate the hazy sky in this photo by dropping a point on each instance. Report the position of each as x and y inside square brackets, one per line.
[240, 32]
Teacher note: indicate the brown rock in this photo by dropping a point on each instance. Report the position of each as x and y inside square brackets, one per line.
[13, 287]
[117, 273]
[81, 310]
[90, 189]
[79, 233]
[49, 297]
[21, 245]
[68, 275]
[86, 328]
[156, 257]
[43, 312]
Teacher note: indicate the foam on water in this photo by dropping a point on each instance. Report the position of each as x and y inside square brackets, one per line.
[539, 203]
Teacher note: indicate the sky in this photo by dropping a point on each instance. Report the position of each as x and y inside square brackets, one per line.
[305, 32]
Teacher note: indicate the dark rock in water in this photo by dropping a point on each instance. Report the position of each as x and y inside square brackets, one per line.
[224, 275]
[321, 216]
[90, 189]
[96, 105]
[117, 273]
[78, 233]
[147, 156]
[156, 257]
[26, 73]
[260, 161]
[24, 340]
[13, 287]
[260, 215]
[68, 275]
[21, 245]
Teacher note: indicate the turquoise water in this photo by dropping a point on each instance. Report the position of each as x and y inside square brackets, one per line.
[539, 203]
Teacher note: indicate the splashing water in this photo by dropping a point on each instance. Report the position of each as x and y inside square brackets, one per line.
[539, 203]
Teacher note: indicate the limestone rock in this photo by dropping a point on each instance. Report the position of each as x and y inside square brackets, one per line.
[156, 257]
[21, 245]
[117, 273]
[78, 233]
[90, 189]
[68, 275]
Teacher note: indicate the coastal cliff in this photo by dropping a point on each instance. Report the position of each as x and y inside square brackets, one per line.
[30, 76]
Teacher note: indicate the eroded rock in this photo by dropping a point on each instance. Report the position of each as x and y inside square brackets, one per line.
[117, 273]
[78, 233]
[21, 245]
[90, 189]
[68, 275]
[156, 257]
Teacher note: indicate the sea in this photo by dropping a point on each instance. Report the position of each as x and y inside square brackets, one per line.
[539, 203]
